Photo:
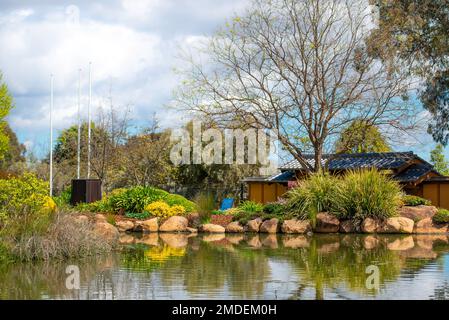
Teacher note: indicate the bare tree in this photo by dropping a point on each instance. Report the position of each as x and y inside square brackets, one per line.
[299, 67]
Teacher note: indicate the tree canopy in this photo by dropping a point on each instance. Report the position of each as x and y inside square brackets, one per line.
[6, 104]
[438, 160]
[361, 137]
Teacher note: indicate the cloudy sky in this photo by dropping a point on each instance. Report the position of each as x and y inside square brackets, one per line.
[133, 46]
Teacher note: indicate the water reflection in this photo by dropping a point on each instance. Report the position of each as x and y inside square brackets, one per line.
[245, 266]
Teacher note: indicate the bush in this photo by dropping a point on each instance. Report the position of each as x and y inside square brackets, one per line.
[163, 210]
[367, 193]
[442, 216]
[205, 204]
[250, 206]
[414, 201]
[243, 217]
[25, 193]
[135, 199]
[232, 211]
[64, 198]
[137, 215]
[176, 199]
[274, 208]
[313, 195]
[177, 210]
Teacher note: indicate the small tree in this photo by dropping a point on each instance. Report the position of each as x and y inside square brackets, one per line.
[6, 104]
[439, 161]
[361, 137]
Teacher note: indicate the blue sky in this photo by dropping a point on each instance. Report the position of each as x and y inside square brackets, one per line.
[133, 46]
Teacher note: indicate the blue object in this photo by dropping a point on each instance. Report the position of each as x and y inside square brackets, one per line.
[226, 204]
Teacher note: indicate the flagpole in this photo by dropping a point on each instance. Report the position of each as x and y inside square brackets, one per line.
[79, 126]
[88, 120]
[51, 135]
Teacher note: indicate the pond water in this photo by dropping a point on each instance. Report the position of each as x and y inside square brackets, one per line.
[249, 266]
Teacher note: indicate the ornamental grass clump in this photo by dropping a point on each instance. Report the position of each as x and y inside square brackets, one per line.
[315, 194]
[367, 193]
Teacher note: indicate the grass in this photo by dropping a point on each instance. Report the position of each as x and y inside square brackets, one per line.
[442, 216]
[414, 201]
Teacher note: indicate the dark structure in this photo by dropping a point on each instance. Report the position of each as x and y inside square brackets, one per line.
[417, 176]
[85, 191]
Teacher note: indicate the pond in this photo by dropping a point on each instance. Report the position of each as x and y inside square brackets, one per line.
[246, 266]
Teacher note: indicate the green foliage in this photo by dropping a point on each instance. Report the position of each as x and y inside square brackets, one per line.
[6, 104]
[438, 160]
[243, 217]
[251, 206]
[414, 201]
[217, 212]
[138, 215]
[176, 199]
[313, 195]
[442, 216]
[64, 198]
[135, 199]
[361, 137]
[274, 208]
[367, 193]
[16, 150]
[205, 204]
[25, 193]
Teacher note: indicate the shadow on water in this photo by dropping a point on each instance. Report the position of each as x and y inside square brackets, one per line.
[244, 266]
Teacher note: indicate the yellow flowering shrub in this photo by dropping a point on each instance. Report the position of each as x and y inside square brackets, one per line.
[163, 253]
[49, 205]
[232, 211]
[163, 210]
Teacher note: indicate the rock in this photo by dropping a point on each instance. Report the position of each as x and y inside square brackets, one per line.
[174, 240]
[401, 244]
[417, 213]
[82, 219]
[269, 226]
[296, 226]
[254, 225]
[107, 231]
[255, 242]
[427, 241]
[126, 239]
[370, 225]
[191, 230]
[234, 227]
[329, 248]
[295, 242]
[100, 218]
[270, 241]
[174, 224]
[150, 225]
[194, 219]
[347, 226]
[212, 228]
[370, 242]
[397, 225]
[426, 225]
[326, 223]
[124, 225]
[234, 238]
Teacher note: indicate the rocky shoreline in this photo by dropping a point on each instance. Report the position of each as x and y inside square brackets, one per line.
[410, 220]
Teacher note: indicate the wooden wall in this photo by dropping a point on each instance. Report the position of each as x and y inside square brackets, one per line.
[264, 192]
[437, 192]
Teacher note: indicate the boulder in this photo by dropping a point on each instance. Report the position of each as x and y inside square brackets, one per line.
[212, 228]
[326, 223]
[100, 218]
[174, 240]
[124, 225]
[214, 237]
[269, 226]
[174, 224]
[254, 225]
[107, 231]
[270, 241]
[194, 219]
[295, 242]
[417, 213]
[397, 225]
[370, 225]
[150, 239]
[296, 226]
[82, 219]
[426, 225]
[254, 242]
[235, 238]
[401, 244]
[347, 226]
[150, 225]
[370, 242]
[234, 227]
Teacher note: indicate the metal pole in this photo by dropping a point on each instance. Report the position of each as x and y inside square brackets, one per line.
[88, 120]
[51, 135]
[79, 126]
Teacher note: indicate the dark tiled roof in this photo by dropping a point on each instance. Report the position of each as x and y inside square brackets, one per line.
[284, 176]
[386, 160]
[414, 172]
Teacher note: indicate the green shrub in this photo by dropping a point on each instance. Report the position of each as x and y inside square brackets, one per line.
[205, 204]
[313, 195]
[64, 198]
[217, 212]
[367, 193]
[25, 193]
[243, 217]
[138, 215]
[442, 216]
[135, 199]
[414, 201]
[176, 199]
[274, 208]
[251, 206]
